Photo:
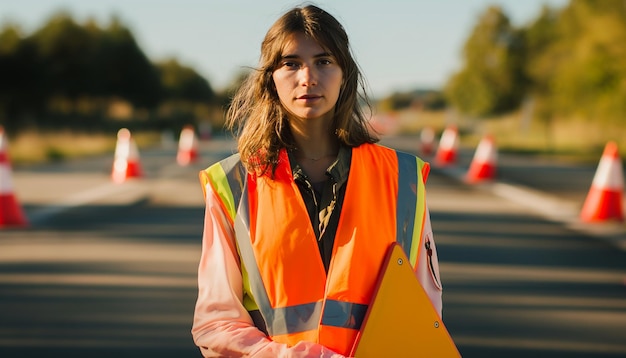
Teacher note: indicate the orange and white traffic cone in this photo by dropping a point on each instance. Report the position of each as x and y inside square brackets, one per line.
[448, 146]
[126, 162]
[187, 146]
[483, 165]
[427, 141]
[604, 200]
[11, 214]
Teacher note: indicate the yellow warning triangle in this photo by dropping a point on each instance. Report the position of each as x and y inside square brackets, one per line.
[401, 320]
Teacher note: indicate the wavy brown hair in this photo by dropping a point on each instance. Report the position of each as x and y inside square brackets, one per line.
[258, 118]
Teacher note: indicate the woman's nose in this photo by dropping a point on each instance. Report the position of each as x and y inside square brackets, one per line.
[308, 76]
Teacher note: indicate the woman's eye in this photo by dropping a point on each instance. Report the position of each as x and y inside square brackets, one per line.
[325, 61]
[290, 64]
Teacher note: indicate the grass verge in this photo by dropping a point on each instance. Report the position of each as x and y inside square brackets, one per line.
[564, 138]
[36, 147]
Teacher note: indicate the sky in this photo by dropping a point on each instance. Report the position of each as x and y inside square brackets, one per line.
[400, 45]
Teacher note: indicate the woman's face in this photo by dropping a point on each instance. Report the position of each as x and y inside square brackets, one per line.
[308, 79]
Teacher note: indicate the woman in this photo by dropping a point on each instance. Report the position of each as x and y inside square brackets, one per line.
[298, 222]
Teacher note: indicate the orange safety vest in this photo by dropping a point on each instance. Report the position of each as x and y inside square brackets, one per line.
[284, 277]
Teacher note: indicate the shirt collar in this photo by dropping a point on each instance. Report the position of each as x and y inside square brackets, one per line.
[338, 170]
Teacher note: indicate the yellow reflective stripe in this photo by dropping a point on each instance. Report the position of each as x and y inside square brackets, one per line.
[222, 177]
[219, 182]
[420, 213]
[248, 297]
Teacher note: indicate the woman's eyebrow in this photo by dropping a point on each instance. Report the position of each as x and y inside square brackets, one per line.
[295, 56]
[324, 54]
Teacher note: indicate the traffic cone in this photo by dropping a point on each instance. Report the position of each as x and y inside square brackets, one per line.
[187, 146]
[10, 211]
[427, 141]
[483, 165]
[604, 200]
[126, 162]
[448, 146]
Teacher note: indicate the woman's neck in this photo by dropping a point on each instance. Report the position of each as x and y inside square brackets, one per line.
[314, 147]
[314, 139]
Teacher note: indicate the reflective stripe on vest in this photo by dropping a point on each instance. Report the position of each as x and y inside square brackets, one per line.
[411, 209]
[279, 251]
[227, 179]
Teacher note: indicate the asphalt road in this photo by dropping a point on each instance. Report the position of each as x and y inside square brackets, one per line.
[108, 270]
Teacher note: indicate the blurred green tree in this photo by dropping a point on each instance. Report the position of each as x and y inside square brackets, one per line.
[66, 73]
[126, 69]
[183, 83]
[582, 72]
[187, 96]
[85, 61]
[13, 86]
[542, 58]
[492, 79]
[424, 99]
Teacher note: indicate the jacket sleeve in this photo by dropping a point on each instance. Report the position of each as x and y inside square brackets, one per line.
[222, 327]
[428, 266]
